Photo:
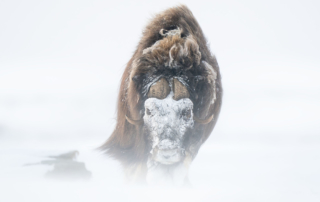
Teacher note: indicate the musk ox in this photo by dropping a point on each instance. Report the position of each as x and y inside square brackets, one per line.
[169, 100]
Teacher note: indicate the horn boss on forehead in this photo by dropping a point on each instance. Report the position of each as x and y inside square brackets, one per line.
[160, 89]
[180, 91]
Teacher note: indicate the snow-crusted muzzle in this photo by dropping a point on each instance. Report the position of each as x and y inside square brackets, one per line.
[167, 121]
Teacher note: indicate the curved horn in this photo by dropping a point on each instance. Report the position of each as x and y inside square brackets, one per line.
[203, 121]
[160, 89]
[180, 91]
[134, 122]
[163, 32]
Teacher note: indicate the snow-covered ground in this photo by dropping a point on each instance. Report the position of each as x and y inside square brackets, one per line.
[60, 67]
[225, 170]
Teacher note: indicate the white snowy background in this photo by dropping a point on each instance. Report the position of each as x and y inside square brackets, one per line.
[60, 67]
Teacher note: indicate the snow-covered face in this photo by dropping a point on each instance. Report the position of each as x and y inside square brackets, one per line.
[167, 121]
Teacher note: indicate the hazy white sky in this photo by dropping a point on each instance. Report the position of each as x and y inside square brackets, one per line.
[64, 52]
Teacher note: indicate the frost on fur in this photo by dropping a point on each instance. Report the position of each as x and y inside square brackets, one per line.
[169, 100]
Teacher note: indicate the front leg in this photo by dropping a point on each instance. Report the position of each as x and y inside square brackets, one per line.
[175, 174]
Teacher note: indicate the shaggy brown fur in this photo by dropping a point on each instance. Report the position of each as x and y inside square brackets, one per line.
[162, 53]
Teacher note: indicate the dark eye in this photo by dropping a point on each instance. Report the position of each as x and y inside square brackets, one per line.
[186, 113]
[148, 112]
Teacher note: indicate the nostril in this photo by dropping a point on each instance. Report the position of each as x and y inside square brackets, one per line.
[186, 113]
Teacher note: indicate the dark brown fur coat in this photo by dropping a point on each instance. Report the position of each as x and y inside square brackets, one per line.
[186, 56]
